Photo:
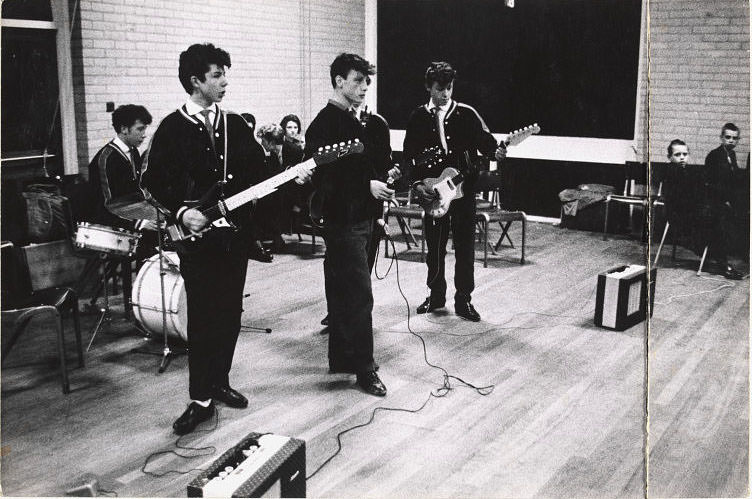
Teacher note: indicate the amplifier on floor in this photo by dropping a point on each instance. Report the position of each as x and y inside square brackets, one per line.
[621, 298]
[261, 465]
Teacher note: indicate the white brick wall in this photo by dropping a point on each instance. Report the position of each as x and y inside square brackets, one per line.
[699, 73]
[126, 51]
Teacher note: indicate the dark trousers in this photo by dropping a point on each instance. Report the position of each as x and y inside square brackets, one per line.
[214, 280]
[377, 232]
[347, 282]
[461, 220]
[721, 232]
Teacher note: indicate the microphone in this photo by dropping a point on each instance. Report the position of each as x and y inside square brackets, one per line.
[382, 221]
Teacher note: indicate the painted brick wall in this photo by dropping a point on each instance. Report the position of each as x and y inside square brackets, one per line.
[126, 51]
[699, 75]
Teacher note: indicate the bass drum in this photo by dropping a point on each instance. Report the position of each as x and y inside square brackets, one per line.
[146, 297]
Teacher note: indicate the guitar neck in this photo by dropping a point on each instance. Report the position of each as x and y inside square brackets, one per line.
[267, 186]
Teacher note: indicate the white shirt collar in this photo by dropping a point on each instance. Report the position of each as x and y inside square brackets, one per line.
[122, 146]
[193, 109]
[443, 108]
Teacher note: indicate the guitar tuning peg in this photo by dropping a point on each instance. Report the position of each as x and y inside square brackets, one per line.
[342, 144]
[321, 149]
[357, 140]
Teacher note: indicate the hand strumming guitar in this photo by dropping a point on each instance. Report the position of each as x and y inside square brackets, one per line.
[194, 220]
[424, 193]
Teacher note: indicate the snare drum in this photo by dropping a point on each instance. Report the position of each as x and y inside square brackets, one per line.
[103, 239]
[146, 297]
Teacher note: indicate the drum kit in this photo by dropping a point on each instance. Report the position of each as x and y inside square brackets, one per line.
[158, 294]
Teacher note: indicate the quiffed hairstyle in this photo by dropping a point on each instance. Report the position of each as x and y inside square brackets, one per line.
[196, 60]
[273, 133]
[126, 115]
[289, 118]
[440, 72]
[343, 63]
[730, 126]
[675, 142]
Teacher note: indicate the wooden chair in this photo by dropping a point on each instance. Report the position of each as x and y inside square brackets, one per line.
[673, 251]
[488, 210]
[21, 304]
[635, 174]
[402, 212]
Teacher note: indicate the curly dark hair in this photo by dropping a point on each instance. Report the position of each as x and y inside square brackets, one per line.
[195, 61]
[344, 62]
[440, 72]
[127, 114]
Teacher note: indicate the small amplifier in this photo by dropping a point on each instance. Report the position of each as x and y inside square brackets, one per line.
[261, 465]
[621, 298]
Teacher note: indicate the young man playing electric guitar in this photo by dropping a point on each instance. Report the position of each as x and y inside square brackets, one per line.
[347, 189]
[458, 129]
[196, 147]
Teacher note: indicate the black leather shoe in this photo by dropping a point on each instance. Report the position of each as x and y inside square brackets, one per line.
[466, 310]
[370, 382]
[259, 253]
[732, 273]
[231, 398]
[191, 418]
[430, 304]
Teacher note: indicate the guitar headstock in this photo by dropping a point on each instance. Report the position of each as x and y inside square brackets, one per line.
[518, 136]
[331, 153]
[431, 156]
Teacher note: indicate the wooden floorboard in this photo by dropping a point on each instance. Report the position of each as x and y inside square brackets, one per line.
[565, 417]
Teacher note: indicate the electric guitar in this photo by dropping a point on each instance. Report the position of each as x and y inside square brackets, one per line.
[430, 156]
[216, 208]
[448, 186]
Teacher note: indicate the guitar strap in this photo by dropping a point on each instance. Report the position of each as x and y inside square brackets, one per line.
[227, 153]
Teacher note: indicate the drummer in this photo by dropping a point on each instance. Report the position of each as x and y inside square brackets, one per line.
[115, 172]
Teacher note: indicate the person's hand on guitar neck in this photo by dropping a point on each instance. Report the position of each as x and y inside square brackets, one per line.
[304, 174]
[194, 220]
[501, 152]
[379, 190]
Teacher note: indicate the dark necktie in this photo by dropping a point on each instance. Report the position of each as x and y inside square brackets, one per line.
[135, 160]
[732, 159]
[208, 124]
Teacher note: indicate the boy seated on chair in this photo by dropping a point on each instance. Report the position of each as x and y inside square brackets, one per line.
[691, 212]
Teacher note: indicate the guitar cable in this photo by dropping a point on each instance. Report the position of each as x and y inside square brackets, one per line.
[201, 452]
[440, 392]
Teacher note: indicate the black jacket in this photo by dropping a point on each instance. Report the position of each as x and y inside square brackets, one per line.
[722, 174]
[344, 185]
[182, 164]
[464, 130]
[111, 176]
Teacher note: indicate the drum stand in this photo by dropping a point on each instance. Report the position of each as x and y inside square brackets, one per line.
[104, 312]
[167, 352]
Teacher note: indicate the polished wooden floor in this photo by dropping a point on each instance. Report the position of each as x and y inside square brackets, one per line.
[566, 417]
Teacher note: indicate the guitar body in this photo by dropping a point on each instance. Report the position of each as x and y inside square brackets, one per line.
[217, 208]
[448, 185]
[183, 239]
[446, 190]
